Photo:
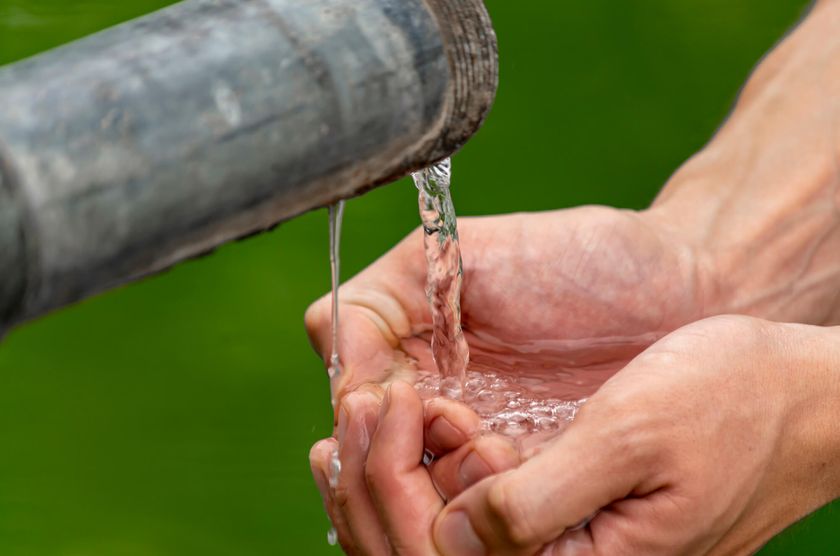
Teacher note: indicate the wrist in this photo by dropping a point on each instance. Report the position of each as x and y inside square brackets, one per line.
[759, 205]
[764, 230]
[809, 376]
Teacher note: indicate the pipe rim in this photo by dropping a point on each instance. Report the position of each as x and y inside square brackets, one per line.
[472, 50]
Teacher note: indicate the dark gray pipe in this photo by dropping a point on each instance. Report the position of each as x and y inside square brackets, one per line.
[158, 140]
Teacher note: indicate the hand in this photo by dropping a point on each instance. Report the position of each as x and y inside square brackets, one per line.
[385, 501]
[596, 283]
[710, 442]
[569, 292]
[729, 233]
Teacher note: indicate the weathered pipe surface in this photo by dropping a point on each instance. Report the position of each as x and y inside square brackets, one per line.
[155, 141]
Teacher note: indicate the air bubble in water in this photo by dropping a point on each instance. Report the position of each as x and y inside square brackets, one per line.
[546, 423]
[486, 396]
[504, 405]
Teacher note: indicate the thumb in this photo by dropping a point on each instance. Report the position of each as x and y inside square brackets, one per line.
[595, 462]
[378, 308]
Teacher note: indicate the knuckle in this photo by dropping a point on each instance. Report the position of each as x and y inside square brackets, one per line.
[506, 507]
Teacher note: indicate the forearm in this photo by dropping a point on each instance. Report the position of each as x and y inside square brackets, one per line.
[760, 206]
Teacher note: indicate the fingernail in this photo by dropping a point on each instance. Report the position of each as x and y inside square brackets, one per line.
[455, 536]
[343, 420]
[473, 469]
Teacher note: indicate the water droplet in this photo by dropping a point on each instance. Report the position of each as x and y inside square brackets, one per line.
[335, 469]
[473, 385]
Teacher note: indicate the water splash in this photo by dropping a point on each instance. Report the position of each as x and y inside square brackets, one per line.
[512, 401]
[506, 405]
[444, 275]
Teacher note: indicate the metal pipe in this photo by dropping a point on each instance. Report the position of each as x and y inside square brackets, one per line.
[160, 139]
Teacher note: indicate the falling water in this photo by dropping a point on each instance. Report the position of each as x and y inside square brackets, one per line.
[336, 214]
[443, 278]
[516, 402]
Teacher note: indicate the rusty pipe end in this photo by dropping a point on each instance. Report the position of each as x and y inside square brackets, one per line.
[472, 50]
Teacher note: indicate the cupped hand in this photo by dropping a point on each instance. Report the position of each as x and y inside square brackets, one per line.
[710, 442]
[577, 287]
[573, 294]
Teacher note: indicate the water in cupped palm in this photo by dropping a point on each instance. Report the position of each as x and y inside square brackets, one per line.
[509, 400]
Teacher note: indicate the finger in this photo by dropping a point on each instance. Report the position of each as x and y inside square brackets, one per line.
[476, 460]
[592, 464]
[319, 461]
[448, 425]
[365, 344]
[400, 484]
[388, 287]
[357, 422]
[377, 308]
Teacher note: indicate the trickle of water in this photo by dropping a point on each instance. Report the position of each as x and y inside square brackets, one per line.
[336, 213]
[444, 275]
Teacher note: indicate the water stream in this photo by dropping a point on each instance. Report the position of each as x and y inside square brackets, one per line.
[510, 396]
[336, 215]
[444, 272]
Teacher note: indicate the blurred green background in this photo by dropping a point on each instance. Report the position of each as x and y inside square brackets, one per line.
[174, 416]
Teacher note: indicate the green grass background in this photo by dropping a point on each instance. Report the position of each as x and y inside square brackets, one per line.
[174, 416]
